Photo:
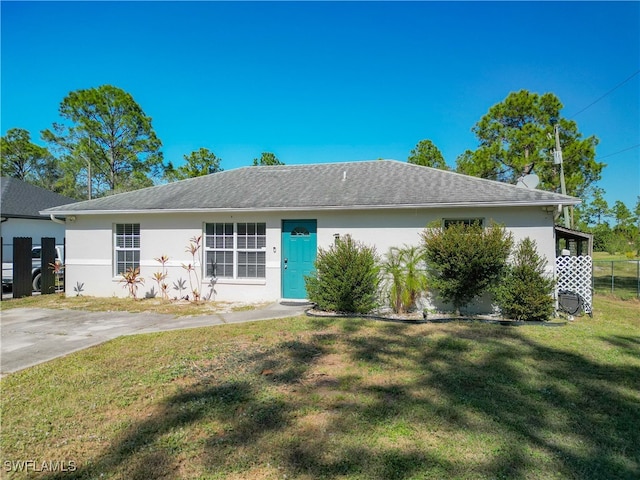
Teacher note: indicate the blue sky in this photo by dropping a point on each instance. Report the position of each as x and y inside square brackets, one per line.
[330, 81]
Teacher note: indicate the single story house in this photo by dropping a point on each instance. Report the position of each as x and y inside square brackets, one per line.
[261, 225]
[20, 206]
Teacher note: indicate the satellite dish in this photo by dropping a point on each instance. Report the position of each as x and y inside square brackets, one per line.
[530, 181]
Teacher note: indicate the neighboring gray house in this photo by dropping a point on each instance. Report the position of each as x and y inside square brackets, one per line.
[261, 226]
[20, 206]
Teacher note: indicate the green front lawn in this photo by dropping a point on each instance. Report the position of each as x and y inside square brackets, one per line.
[312, 398]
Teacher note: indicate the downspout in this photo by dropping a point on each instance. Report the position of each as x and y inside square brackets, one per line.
[56, 220]
[558, 212]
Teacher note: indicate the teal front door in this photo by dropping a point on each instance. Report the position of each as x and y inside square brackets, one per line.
[299, 245]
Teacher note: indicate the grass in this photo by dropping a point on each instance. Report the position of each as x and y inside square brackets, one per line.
[311, 398]
[606, 256]
[623, 272]
[114, 304]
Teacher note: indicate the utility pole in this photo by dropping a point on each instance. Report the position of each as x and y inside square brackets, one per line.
[89, 171]
[557, 159]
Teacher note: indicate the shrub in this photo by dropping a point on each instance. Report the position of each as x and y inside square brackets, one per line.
[465, 260]
[616, 244]
[602, 236]
[346, 278]
[161, 277]
[132, 279]
[192, 268]
[405, 277]
[525, 292]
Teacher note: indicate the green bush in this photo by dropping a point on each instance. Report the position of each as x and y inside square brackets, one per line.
[346, 278]
[616, 244]
[465, 260]
[602, 237]
[525, 291]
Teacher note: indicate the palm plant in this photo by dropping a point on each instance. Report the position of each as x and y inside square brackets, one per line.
[393, 272]
[415, 275]
[57, 267]
[132, 279]
[161, 276]
[193, 248]
[405, 277]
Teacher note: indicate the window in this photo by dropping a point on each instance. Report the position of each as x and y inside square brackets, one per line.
[447, 222]
[252, 241]
[219, 250]
[127, 247]
[235, 252]
[300, 232]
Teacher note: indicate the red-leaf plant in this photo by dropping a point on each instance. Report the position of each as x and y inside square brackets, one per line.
[193, 248]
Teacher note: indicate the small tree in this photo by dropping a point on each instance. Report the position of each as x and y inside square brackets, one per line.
[393, 279]
[525, 292]
[405, 277]
[132, 280]
[192, 268]
[346, 278]
[161, 277]
[465, 260]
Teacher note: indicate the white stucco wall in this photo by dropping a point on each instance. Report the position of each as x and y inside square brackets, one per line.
[25, 227]
[90, 243]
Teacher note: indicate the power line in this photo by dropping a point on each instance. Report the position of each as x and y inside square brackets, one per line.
[620, 151]
[608, 93]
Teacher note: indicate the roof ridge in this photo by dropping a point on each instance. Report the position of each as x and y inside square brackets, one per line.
[367, 183]
[486, 180]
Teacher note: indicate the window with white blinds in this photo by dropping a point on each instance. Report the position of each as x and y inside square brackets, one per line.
[126, 247]
[235, 250]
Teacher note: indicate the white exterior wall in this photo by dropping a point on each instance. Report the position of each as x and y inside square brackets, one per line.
[26, 227]
[90, 254]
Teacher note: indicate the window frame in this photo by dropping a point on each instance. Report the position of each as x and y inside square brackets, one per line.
[248, 248]
[256, 249]
[223, 248]
[117, 248]
[468, 221]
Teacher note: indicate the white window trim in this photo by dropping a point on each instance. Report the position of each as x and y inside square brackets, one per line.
[236, 279]
[117, 249]
[217, 249]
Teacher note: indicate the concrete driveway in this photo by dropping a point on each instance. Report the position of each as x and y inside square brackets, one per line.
[35, 335]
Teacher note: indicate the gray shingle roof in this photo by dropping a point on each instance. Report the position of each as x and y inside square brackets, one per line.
[369, 184]
[19, 199]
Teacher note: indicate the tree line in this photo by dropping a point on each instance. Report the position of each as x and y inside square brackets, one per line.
[516, 138]
[106, 144]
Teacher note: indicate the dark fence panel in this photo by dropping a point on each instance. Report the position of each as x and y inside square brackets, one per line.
[22, 267]
[48, 258]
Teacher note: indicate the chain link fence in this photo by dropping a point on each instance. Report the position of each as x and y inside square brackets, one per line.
[618, 277]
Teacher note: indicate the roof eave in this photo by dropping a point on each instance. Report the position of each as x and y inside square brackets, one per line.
[545, 203]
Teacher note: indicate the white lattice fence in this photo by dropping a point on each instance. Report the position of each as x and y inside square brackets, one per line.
[574, 274]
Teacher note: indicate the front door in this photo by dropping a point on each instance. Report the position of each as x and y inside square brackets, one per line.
[299, 244]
